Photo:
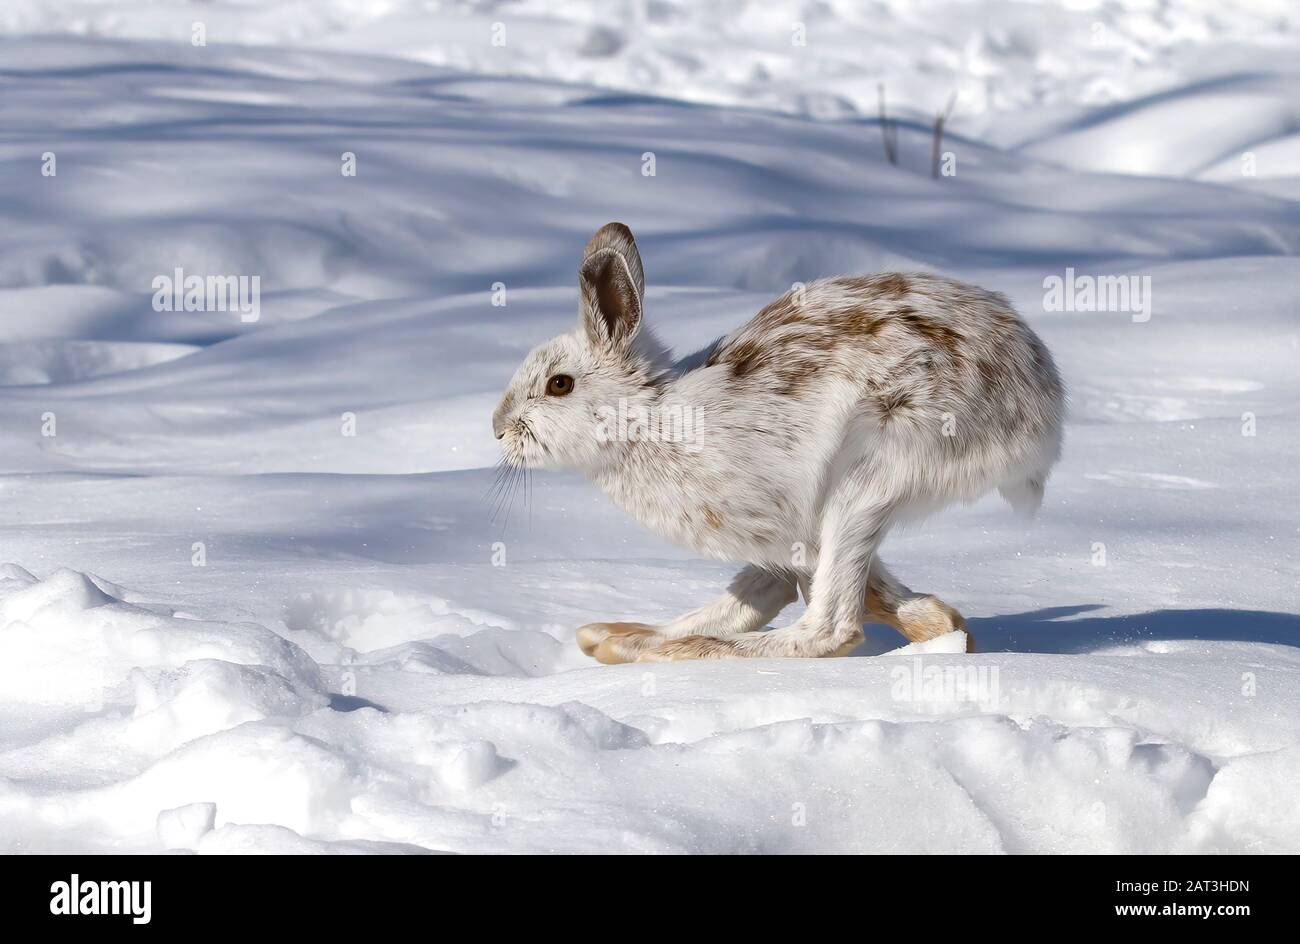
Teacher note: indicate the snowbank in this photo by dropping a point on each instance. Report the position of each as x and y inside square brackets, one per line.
[1139, 749]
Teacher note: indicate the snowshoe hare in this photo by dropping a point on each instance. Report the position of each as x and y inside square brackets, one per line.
[836, 412]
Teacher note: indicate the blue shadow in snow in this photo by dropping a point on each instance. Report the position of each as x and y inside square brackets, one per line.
[1061, 629]
[346, 703]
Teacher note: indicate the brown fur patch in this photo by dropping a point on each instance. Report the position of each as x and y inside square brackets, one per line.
[884, 285]
[936, 334]
[863, 321]
[742, 358]
[892, 403]
[752, 352]
[893, 283]
[787, 344]
[798, 372]
[788, 363]
[712, 518]
[990, 374]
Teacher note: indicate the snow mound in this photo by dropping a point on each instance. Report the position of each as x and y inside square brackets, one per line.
[223, 737]
[1254, 133]
[70, 643]
[69, 361]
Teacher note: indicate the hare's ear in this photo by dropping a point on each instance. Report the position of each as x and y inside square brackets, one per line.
[612, 286]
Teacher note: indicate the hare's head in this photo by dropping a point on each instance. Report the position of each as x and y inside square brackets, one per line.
[563, 402]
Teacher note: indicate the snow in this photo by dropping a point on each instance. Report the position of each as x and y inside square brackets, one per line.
[227, 625]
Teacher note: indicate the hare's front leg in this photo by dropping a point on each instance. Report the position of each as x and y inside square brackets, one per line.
[918, 616]
[832, 624]
[754, 598]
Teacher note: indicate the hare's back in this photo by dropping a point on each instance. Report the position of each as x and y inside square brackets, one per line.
[914, 347]
[873, 325]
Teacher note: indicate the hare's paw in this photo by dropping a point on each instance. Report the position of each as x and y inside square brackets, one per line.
[928, 617]
[612, 643]
[593, 634]
[626, 647]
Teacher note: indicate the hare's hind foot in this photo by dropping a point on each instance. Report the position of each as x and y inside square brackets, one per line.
[918, 616]
[615, 643]
[928, 617]
[769, 644]
[754, 597]
[687, 647]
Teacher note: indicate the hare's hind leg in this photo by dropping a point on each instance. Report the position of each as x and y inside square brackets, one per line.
[917, 616]
[832, 624]
[754, 597]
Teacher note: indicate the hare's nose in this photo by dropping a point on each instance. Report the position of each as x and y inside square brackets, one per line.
[501, 415]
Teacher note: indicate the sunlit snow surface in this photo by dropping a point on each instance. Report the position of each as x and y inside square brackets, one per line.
[350, 671]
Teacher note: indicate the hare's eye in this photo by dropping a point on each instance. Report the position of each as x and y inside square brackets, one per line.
[559, 385]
